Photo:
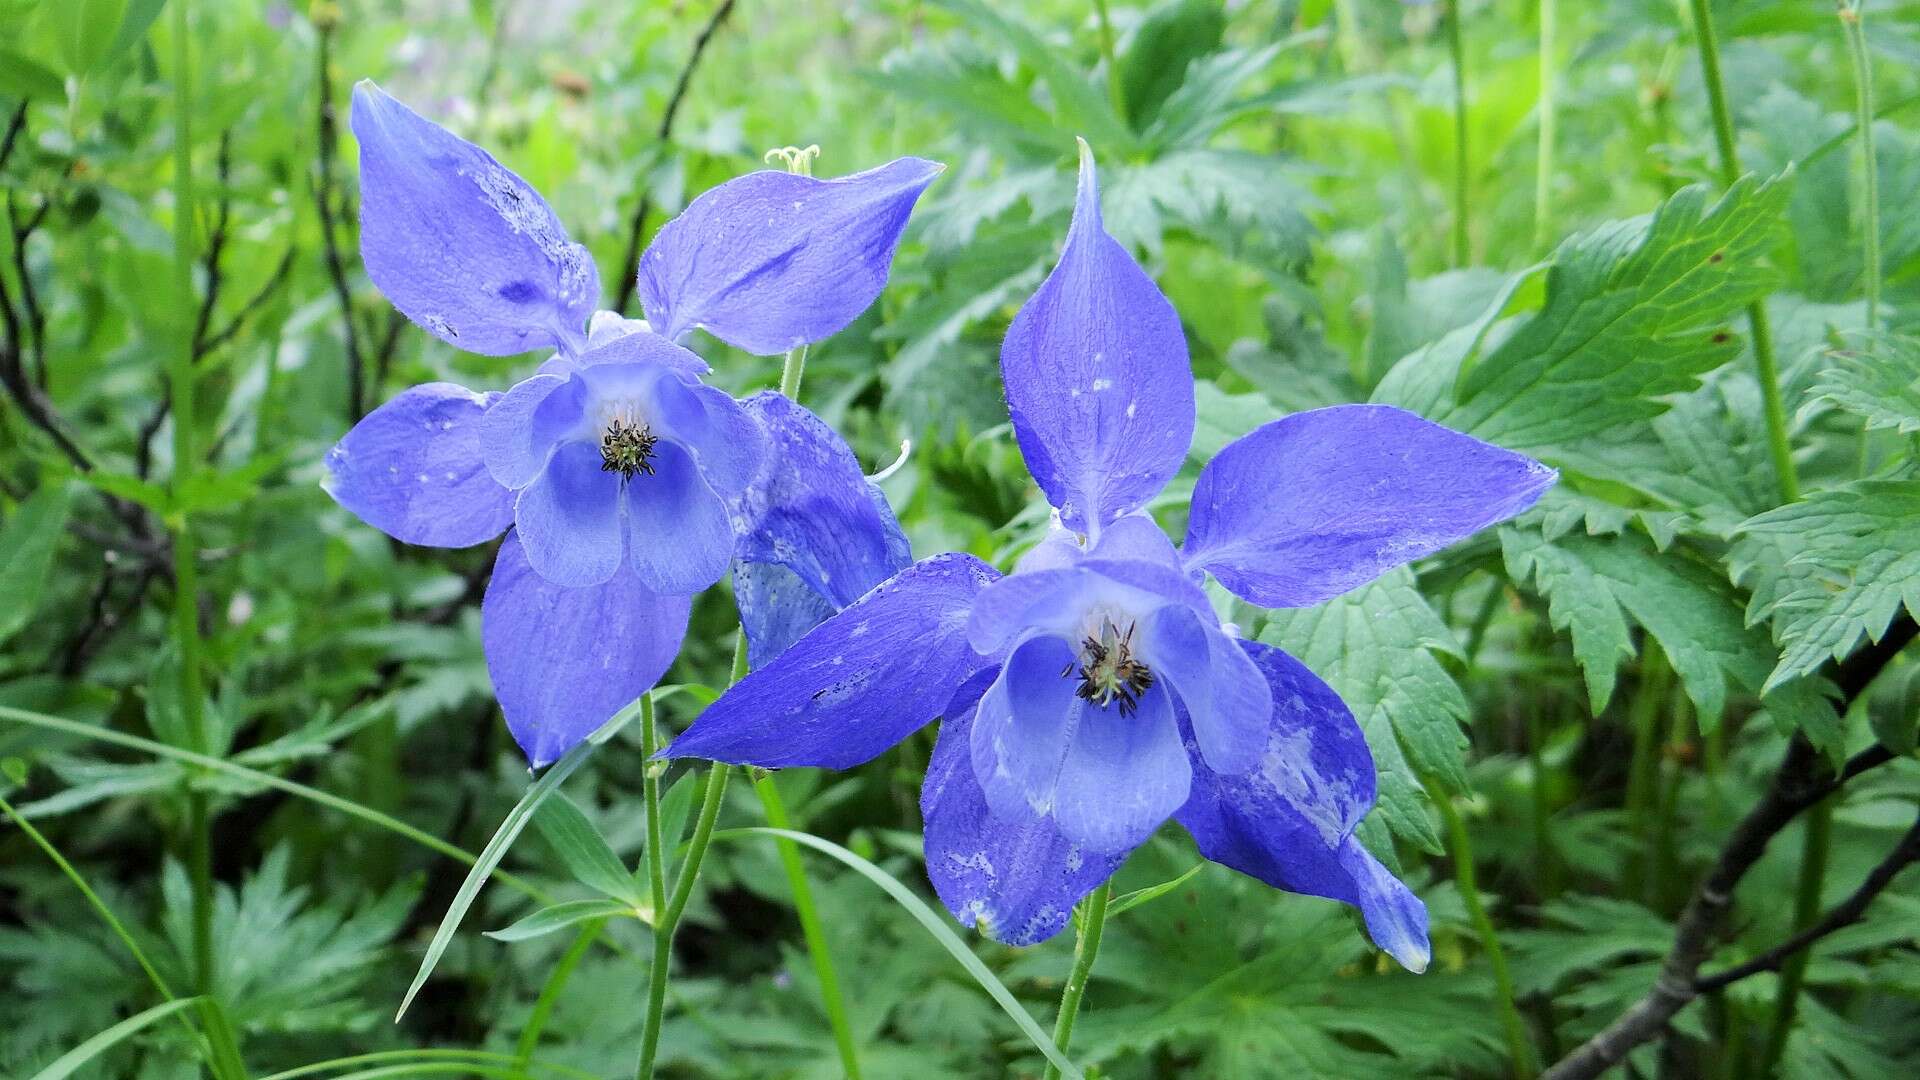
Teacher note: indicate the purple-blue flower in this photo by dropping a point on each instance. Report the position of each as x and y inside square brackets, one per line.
[624, 478]
[1093, 693]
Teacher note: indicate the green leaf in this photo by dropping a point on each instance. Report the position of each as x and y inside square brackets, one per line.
[27, 543]
[510, 829]
[139, 16]
[1598, 587]
[73, 1060]
[1204, 101]
[131, 488]
[25, 78]
[1831, 569]
[1171, 37]
[676, 806]
[85, 30]
[1376, 646]
[1080, 107]
[561, 916]
[1632, 312]
[585, 853]
[936, 924]
[1152, 892]
[1879, 383]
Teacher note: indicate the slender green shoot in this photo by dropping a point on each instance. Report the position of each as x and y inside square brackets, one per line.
[1457, 48]
[1086, 948]
[1460, 845]
[1546, 110]
[1851, 12]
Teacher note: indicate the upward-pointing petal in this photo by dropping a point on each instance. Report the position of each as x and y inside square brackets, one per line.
[460, 244]
[1097, 380]
[770, 260]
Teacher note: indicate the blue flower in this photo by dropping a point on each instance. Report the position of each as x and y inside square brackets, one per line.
[619, 472]
[1093, 693]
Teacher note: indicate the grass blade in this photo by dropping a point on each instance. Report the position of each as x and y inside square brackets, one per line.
[71, 1061]
[936, 925]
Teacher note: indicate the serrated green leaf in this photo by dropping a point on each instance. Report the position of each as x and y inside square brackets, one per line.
[1204, 100]
[1831, 569]
[1598, 587]
[1376, 647]
[1631, 313]
[1080, 107]
[585, 853]
[27, 543]
[1880, 383]
[561, 916]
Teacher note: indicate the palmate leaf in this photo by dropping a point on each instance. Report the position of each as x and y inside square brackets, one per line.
[1831, 569]
[1079, 106]
[1632, 312]
[1880, 383]
[1244, 203]
[1173, 35]
[1376, 646]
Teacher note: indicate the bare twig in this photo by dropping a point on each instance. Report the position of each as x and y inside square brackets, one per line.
[35, 346]
[623, 290]
[1844, 914]
[1802, 780]
[211, 342]
[324, 199]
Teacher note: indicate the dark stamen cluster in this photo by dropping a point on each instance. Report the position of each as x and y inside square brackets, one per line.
[1109, 672]
[627, 449]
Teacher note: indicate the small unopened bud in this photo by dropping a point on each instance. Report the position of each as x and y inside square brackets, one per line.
[324, 15]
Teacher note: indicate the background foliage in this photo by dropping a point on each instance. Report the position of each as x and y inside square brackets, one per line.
[1594, 694]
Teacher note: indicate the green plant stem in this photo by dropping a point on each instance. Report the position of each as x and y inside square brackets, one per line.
[1457, 48]
[1086, 947]
[1785, 475]
[1856, 34]
[1806, 908]
[669, 920]
[1649, 704]
[550, 992]
[1116, 94]
[481, 1058]
[186, 595]
[791, 372]
[811, 928]
[1548, 107]
[1460, 844]
[650, 797]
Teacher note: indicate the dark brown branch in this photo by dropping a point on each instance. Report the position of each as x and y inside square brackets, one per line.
[281, 271]
[1844, 914]
[35, 344]
[623, 287]
[216, 245]
[1803, 779]
[324, 196]
[15, 126]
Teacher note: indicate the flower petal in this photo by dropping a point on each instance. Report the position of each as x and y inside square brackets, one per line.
[726, 441]
[632, 341]
[1124, 774]
[1096, 373]
[1320, 502]
[811, 514]
[1015, 879]
[564, 661]
[777, 608]
[1222, 692]
[412, 469]
[770, 261]
[521, 428]
[679, 539]
[1289, 821]
[1010, 606]
[569, 519]
[460, 244]
[1023, 726]
[857, 683]
[1137, 537]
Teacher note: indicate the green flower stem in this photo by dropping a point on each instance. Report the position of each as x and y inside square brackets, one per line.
[811, 928]
[1785, 475]
[1649, 704]
[791, 371]
[186, 593]
[1460, 844]
[1455, 46]
[1548, 106]
[650, 797]
[1093, 922]
[1856, 34]
[550, 992]
[667, 921]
